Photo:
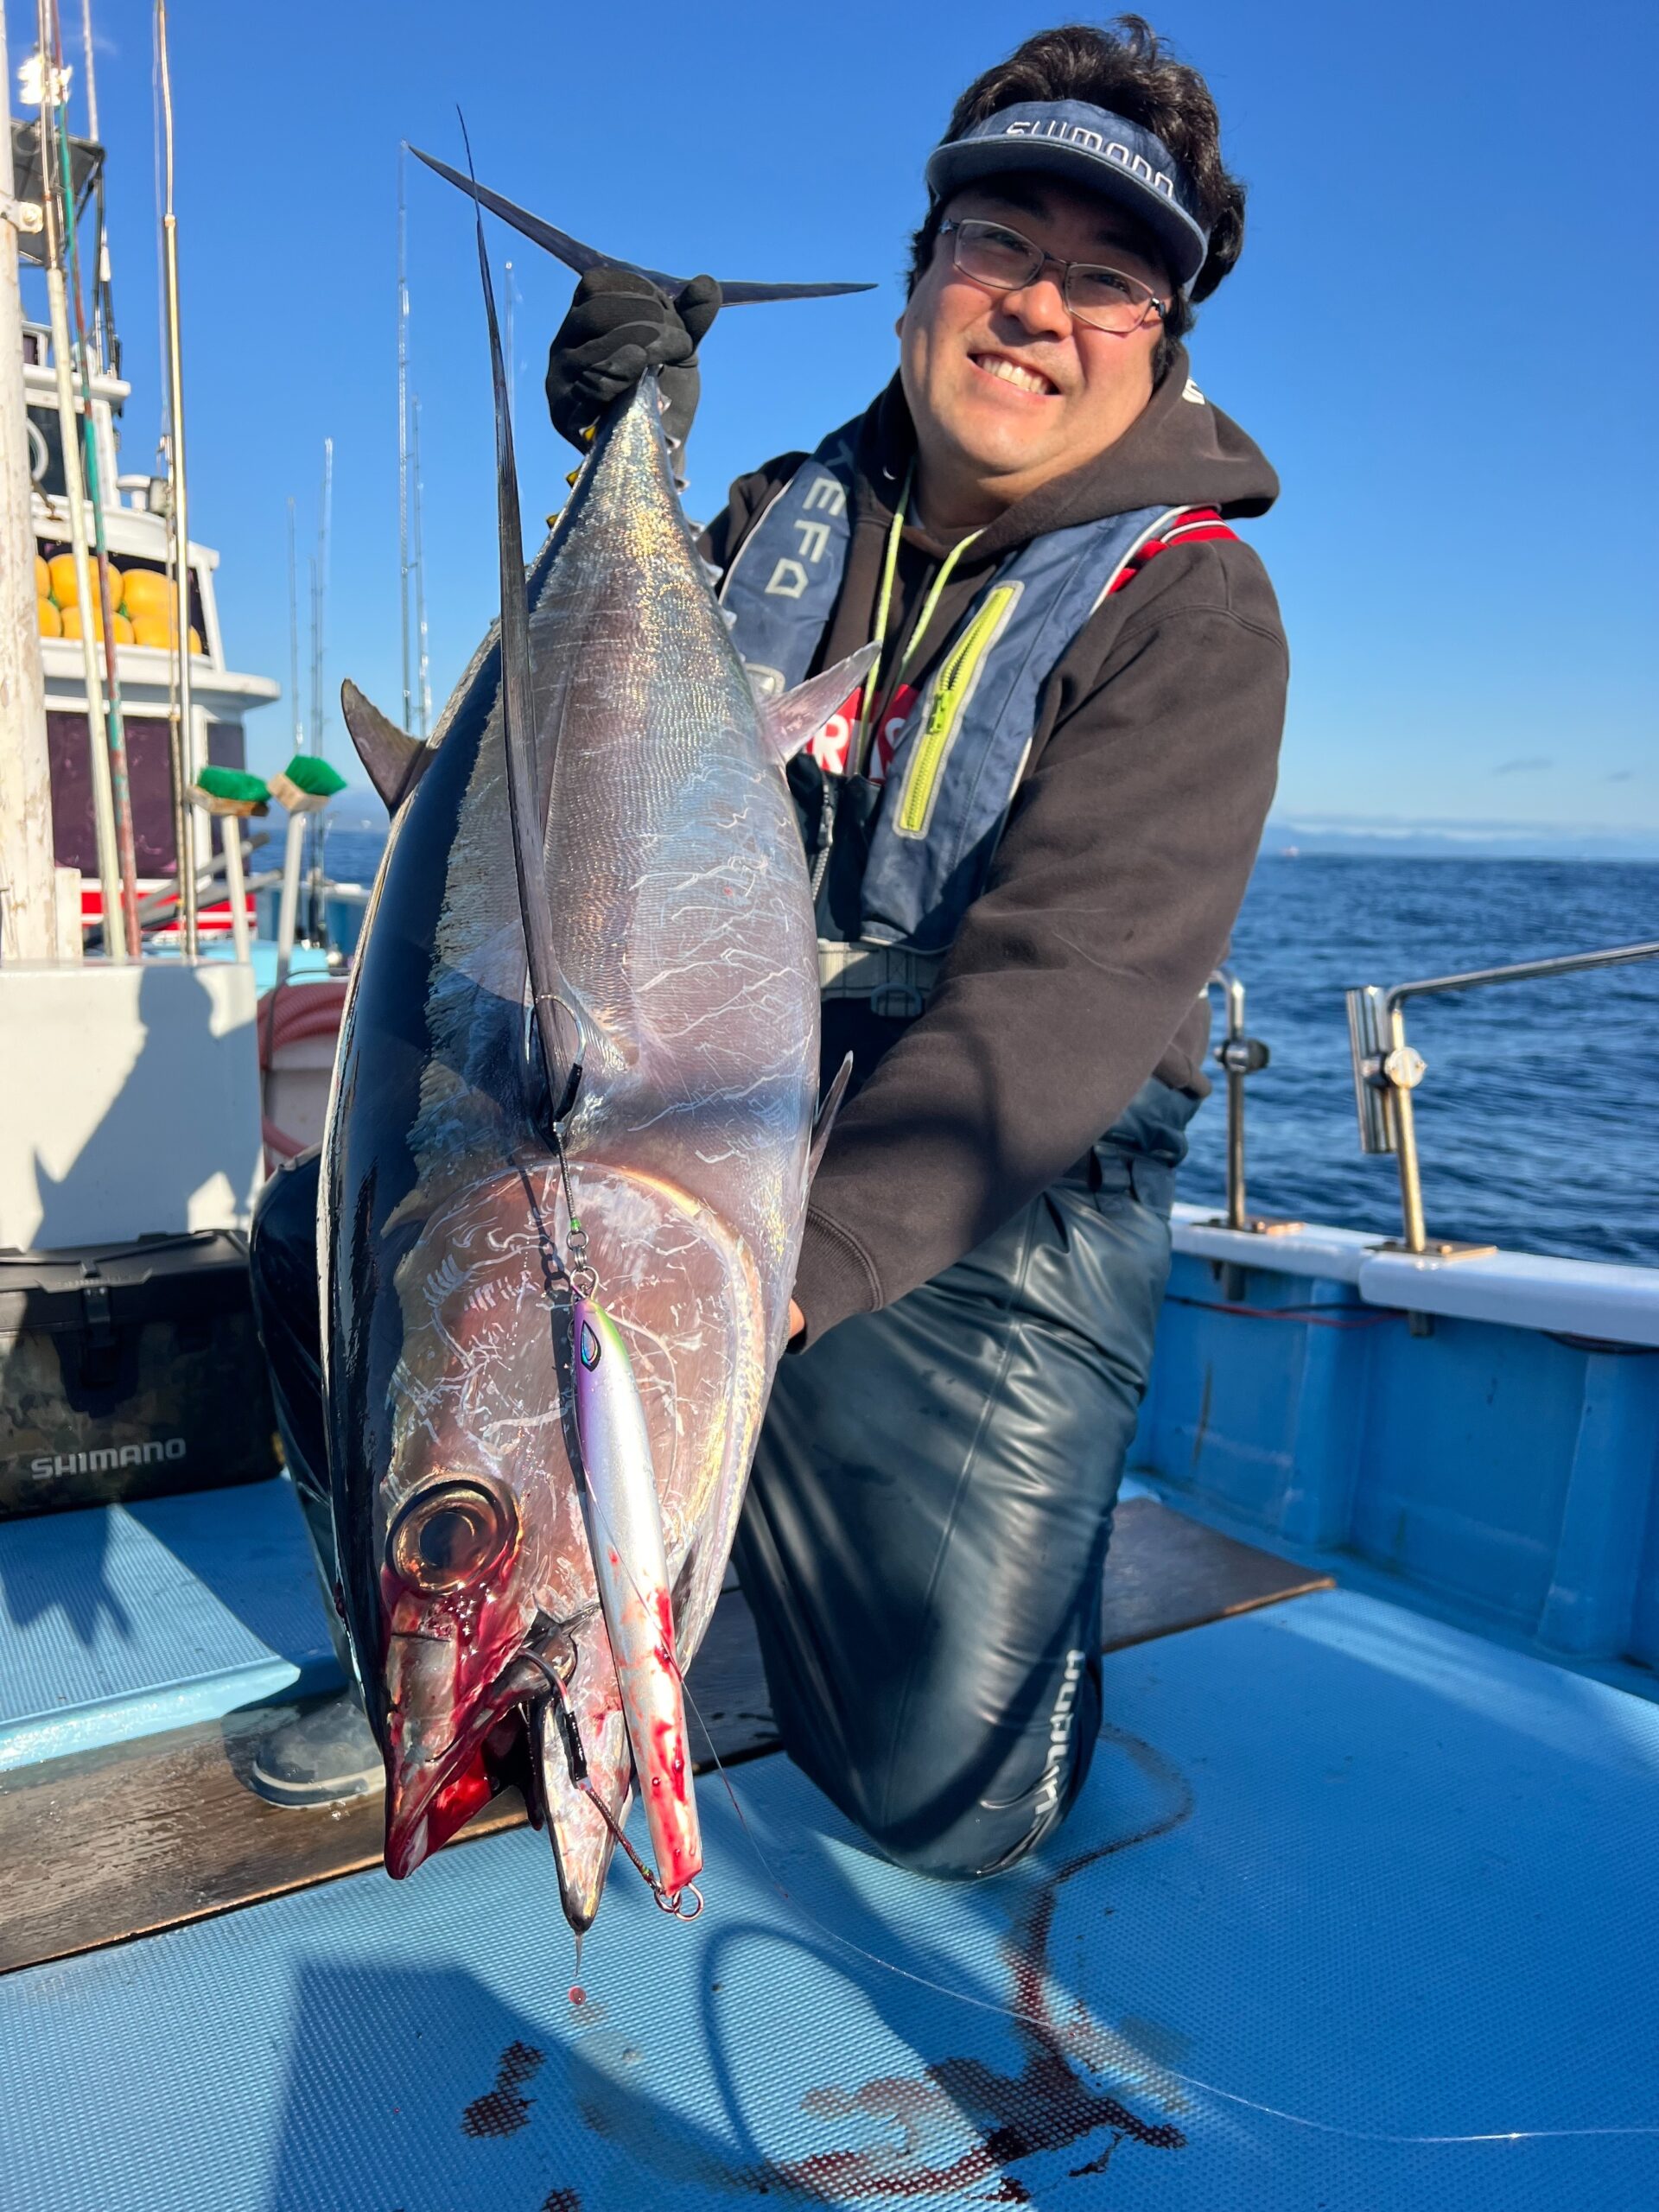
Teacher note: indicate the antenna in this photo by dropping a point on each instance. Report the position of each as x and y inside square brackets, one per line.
[403, 424]
[320, 594]
[294, 632]
[425, 684]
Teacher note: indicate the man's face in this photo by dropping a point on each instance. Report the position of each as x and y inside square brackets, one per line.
[1006, 389]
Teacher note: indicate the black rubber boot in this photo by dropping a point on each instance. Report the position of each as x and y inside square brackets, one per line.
[322, 1757]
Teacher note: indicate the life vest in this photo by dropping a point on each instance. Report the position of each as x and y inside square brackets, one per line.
[960, 754]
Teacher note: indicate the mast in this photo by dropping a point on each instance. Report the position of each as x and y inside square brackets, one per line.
[181, 732]
[28, 886]
[58, 217]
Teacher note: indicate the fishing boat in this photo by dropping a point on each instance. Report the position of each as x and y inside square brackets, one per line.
[1359, 1905]
[134, 516]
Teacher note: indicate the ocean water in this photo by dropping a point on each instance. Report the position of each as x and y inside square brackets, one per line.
[1538, 1120]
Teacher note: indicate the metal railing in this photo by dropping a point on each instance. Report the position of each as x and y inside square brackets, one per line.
[1388, 1070]
[1240, 1056]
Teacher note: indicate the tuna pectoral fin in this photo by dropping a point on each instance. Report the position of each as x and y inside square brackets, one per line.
[795, 719]
[575, 255]
[396, 761]
[828, 1107]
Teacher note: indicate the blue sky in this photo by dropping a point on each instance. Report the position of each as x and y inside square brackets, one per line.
[1433, 332]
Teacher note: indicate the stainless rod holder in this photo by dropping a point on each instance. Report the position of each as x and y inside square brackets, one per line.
[1239, 1056]
[1388, 1069]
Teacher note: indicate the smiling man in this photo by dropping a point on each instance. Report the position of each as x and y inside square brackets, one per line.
[1028, 836]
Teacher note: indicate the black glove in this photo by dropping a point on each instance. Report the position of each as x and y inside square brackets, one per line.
[619, 325]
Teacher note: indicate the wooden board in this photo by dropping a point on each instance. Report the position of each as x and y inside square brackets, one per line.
[1165, 1573]
[122, 1842]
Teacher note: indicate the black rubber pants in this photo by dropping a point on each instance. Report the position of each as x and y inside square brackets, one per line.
[927, 1521]
[931, 1504]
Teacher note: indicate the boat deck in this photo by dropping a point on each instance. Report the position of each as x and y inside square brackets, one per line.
[1344, 1883]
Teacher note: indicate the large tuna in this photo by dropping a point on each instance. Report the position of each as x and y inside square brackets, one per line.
[515, 1398]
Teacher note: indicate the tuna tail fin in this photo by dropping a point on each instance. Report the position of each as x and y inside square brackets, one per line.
[795, 718]
[525, 798]
[575, 255]
[396, 761]
[828, 1107]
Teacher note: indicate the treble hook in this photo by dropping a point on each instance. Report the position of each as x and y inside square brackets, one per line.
[669, 1900]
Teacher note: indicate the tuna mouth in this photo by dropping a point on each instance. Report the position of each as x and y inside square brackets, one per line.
[1020, 374]
[431, 1799]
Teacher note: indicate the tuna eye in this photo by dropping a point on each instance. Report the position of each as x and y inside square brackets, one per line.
[449, 1535]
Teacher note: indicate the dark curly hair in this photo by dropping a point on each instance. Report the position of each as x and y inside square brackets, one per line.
[1125, 67]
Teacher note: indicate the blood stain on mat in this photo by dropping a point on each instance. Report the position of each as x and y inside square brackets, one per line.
[502, 2111]
[1047, 2106]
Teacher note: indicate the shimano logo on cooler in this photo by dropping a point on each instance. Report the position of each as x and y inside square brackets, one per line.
[51, 1466]
[1059, 1736]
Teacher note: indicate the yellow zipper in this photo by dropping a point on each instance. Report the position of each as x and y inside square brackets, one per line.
[951, 693]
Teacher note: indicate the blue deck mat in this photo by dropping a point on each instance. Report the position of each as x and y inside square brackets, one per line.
[1333, 1859]
[119, 1621]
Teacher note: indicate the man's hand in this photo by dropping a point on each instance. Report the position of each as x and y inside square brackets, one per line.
[619, 325]
[796, 1321]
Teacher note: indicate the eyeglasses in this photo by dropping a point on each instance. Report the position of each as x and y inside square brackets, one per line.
[1002, 260]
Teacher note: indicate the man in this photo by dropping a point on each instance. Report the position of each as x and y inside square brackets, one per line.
[1028, 838]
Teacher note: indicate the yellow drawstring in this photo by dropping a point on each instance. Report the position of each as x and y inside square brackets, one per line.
[859, 755]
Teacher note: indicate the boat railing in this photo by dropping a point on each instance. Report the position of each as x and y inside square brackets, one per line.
[1240, 1056]
[1388, 1070]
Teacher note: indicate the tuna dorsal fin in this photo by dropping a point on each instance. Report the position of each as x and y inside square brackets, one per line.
[828, 1107]
[794, 720]
[396, 761]
[575, 255]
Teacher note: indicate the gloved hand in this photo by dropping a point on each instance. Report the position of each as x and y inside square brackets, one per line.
[619, 325]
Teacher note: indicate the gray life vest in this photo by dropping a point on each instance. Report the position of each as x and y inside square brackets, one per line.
[963, 749]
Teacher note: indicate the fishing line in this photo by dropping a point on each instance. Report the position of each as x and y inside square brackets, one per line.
[1057, 2034]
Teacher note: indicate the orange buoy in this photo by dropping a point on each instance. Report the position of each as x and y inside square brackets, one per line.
[50, 620]
[147, 594]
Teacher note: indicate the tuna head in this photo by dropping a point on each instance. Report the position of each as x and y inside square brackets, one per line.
[478, 1552]
[497, 1665]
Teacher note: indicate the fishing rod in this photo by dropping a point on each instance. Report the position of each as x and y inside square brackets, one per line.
[57, 210]
[403, 430]
[181, 725]
[319, 627]
[423, 665]
[115, 720]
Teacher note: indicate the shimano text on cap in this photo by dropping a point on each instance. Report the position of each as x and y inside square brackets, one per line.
[1104, 152]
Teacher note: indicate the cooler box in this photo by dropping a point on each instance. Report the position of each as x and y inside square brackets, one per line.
[130, 1372]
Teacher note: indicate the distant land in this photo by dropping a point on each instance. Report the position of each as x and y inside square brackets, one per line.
[1363, 837]
[1327, 836]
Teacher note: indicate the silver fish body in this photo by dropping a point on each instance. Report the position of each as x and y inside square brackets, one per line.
[683, 933]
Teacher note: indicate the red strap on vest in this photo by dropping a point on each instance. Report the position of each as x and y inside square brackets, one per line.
[1192, 527]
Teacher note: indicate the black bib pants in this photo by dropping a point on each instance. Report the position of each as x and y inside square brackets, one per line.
[931, 1504]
